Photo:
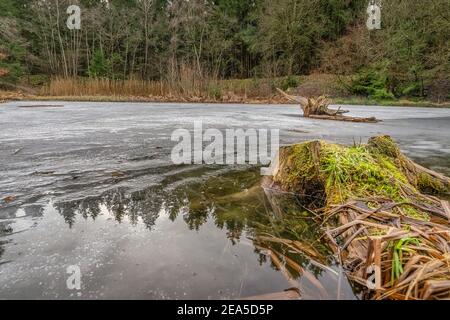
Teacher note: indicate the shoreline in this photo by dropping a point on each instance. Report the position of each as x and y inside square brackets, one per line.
[17, 96]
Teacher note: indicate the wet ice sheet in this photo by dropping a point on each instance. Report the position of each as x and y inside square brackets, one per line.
[51, 159]
[58, 151]
[131, 262]
[197, 240]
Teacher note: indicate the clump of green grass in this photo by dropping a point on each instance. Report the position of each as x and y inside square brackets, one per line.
[399, 249]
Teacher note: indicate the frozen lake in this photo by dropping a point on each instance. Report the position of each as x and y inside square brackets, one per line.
[158, 230]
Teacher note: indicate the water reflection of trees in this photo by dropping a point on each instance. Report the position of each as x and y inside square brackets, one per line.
[143, 205]
[262, 217]
[233, 202]
[226, 201]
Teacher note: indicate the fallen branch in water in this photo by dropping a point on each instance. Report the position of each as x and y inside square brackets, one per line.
[319, 109]
[344, 118]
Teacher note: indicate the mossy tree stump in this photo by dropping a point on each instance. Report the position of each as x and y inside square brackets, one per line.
[380, 212]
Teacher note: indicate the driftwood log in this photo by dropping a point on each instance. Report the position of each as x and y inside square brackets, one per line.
[319, 109]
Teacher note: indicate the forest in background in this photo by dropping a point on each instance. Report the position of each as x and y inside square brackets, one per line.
[203, 47]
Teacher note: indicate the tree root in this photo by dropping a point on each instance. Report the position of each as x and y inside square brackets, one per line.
[318, 109]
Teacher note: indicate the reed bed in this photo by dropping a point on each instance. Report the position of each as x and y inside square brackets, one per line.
[185, 88]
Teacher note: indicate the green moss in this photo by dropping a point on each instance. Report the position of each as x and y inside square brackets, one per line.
[299, 170]
[384, 145]
[416, 214]
[353, 172]
[427, 184]
[340, 173]
[390, 156]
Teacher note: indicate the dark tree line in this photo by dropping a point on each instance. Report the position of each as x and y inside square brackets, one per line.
[152, 39]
